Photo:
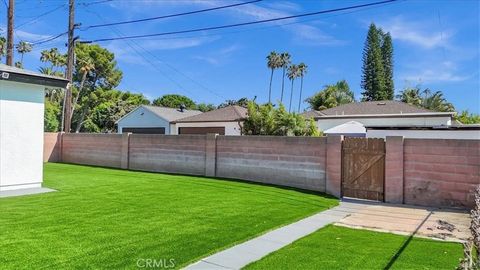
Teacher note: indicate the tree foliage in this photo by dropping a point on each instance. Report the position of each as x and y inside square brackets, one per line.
[174, 101]
[426, 99]
[466, 117]
[266, 120]
[204, 107]
[377, 69]
[3, 47]
[331, 95]
[243, 102]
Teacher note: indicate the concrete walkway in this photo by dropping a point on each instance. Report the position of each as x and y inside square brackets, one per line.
[434, 223]
[240, 255]
[24, 191]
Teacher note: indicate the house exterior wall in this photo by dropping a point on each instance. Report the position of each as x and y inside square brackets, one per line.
[142, 117]
[231, 128]
[324, 124]
[21, 135]
[425, 134]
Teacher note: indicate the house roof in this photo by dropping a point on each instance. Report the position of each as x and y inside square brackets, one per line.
[171, 114]
[226, 114]
[9, 73]
[351, 127]
[373, 108]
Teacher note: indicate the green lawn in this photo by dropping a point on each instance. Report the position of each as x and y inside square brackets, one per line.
[336, 247]
[107, 218]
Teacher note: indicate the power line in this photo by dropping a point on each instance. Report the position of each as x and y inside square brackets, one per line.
[242, 24]
[41, 15]
[171, 15]
[86, 4]
[41, 41]
[155, 65]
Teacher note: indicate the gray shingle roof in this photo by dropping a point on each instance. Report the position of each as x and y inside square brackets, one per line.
[171, 114]
[369, 108]
[227, 114]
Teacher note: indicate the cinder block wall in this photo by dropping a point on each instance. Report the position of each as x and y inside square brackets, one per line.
[288, 161]
[51, 147]
[92, 149]
[441, 172]
[167, 153]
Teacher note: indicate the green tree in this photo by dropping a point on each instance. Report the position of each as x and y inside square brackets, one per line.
[23, 48]
[411, 95]
[302, 70]
[331, 96]
[292, 74]
[273, 62]
[284, 63]
[387, 58]
[426, 99]
[3, 47]
[468, 118]
[373, 70]
[203, 107]
[242, 102]
[95, 70]
[55, 58]
[266, 120]
[51, 119]
[174, 101]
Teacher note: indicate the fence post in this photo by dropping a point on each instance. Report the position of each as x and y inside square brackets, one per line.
[125, 150]
[210, 154]
[394, 169]
[334, 165]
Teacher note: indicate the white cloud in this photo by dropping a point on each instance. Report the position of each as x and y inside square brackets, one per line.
[432, 72]
[418, 33]
[219, 56]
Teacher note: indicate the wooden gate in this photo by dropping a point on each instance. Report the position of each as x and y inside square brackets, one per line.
[363, 168]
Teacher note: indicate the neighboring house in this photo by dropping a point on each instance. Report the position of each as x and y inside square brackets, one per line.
[387, 113]
[224, 121]
[460, 132]
[22, 97]
[152, 119]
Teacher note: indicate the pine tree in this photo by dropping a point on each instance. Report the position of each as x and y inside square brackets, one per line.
[373, 82]
[387, 58]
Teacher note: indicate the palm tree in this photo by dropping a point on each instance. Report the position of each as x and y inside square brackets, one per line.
[302, 70]
[272, 63]
[436, 102]
[411, 96]
[86, 66]
[283, 63]
[292, 74]
[23, 48]
[331, 96]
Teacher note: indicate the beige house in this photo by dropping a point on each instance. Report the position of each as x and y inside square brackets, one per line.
[224, 121]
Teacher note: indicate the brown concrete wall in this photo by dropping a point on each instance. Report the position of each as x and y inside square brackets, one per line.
[394, 169]
[92, 149]
[289, 161]
[51, 147]
[441, 172]
[183, 154]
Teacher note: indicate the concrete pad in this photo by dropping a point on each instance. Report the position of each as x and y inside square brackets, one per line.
[24, 192]
[435, 223]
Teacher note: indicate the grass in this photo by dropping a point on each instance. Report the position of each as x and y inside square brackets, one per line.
[336, 247]
[107, 218]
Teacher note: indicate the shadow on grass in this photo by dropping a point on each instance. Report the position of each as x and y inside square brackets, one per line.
[246, 189]
[406, 243]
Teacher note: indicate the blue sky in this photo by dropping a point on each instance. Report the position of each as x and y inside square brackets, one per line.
[436, 44]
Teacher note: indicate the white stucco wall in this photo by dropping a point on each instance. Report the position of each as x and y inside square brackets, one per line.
[231, 128]
[141, 118]
[324, 124]
[21, 135]
[430, 134]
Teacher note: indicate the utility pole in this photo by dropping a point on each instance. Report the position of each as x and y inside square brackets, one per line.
[11, 6]
[69, 74]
